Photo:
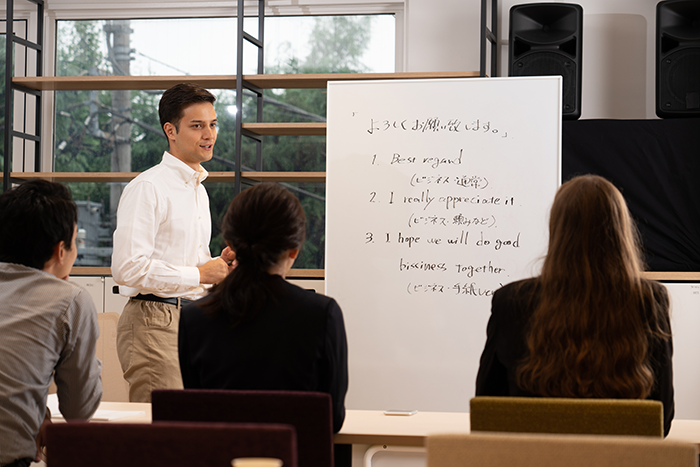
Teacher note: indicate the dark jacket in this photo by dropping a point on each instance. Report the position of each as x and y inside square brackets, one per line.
[297, 342]
[511, 309]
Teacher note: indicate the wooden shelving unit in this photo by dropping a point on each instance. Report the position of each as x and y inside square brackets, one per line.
[104, 271]
[320, 274]
[308, 81]
[38, 84]
[311, 81]
[214, 177]
[256, 83]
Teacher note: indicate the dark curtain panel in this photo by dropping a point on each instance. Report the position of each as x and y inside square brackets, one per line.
[656, 166]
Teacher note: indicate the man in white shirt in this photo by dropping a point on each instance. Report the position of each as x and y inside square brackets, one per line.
[161, 257]
[48, 325]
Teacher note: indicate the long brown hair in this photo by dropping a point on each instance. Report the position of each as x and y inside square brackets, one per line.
[260, 225]
[590, 331]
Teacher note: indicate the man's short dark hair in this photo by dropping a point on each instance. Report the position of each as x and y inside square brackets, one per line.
[34, 217]
[172, 104]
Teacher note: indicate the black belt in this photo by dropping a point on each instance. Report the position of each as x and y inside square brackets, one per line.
[155, 298]
[20, 463]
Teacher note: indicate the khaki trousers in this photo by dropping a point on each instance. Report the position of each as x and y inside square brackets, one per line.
[147, 347]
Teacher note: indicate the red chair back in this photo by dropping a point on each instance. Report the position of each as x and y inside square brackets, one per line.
[308, 412]
[166, 444]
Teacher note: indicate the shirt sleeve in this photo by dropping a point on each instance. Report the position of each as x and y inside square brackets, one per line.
[492, 377]
[78, 372]
[139, 216]
[662, 361]
[335, 377]
[184, 353]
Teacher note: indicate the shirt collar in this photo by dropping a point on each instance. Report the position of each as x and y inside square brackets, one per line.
[184, 171]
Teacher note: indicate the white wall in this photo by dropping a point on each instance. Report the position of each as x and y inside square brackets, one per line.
[443, 35]
[618, 49]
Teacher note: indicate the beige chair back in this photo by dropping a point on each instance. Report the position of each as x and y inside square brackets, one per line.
[550, 450]
[114, 387]
[562, 415]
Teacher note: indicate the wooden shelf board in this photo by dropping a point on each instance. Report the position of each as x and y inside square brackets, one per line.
[214, 177]
[320, 274]
[306, 273]
[65, 177]
[292, 177]
[105, 271]
[122, 83]
[287, 129]
[672, 276]
[318, 81]
[287, 81]
[90, 271]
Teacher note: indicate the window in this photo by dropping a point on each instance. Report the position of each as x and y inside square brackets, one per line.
[119, 131]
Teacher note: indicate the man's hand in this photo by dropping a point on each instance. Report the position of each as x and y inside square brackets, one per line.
[213, 271]
[40, 437]
[229, 256]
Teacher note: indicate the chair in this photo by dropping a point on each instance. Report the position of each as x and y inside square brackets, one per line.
[166, 444]
[308, 412]
[549, 450]
[562, 415]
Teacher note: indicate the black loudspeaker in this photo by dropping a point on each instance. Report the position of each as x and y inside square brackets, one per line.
[546, 39]
[678, 58]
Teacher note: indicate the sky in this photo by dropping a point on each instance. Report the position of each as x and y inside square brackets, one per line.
[161, 49]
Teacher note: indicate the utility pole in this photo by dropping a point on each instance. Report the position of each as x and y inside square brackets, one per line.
[118, 34]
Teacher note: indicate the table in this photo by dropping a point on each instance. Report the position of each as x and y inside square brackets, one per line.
[144, 407]
[373, 427]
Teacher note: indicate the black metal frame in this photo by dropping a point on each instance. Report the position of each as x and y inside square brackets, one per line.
[240, 84]
[10, 87]
[489, 35]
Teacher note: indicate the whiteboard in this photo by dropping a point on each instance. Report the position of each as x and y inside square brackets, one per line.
[685, 327]
[437, 194]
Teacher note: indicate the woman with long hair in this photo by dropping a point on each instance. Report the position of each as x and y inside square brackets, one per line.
[255, 330]
[589, 326]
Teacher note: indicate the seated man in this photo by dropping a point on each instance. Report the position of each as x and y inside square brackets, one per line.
[48, 325]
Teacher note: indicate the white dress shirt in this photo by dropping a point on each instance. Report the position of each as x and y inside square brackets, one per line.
[163, 232]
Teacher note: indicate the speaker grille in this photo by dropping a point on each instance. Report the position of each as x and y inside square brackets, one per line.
[545, 40]
[551, 64]
[678, 58]
[681, 88]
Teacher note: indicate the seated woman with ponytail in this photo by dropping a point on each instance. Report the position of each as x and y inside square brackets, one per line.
[255, 330]
[589, 325]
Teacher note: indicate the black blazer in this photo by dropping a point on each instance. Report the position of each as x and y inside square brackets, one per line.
[297, 343]
[511, 308]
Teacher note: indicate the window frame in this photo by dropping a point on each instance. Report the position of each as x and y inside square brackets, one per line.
[153, 10]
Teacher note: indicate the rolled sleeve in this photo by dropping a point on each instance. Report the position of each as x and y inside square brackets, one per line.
[336, 358]
[78, 372]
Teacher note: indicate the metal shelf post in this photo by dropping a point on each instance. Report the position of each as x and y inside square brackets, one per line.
[240, 85]
[10, 87]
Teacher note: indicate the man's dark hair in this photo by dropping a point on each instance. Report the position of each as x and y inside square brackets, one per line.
[172, 104]
[34, 217]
